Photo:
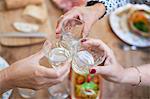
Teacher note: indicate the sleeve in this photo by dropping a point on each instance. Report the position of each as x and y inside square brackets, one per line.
[110, 5]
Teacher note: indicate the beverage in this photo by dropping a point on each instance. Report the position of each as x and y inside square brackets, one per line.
[68, 42]
[60, 91]
[26, 93]
[82, 61]
[58, 56]
[85, 85]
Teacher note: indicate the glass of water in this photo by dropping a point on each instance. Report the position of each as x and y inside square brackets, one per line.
[63, 50]
[84, 58]
[71, 34]
[60, 91]
[57, 56]
[27, 93]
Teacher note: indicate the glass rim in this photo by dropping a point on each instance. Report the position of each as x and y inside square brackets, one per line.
[63, 26]
[95, 62]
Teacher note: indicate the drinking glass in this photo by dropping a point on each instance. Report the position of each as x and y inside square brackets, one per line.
[85, 58]
[60, 91]
[63, 50]
[71, 34]
[57, 56]
[26, 93]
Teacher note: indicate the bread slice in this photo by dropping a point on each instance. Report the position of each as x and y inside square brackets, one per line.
[11, 4]
[25, 27]
[37, 12]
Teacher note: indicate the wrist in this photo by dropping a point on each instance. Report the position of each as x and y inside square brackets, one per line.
[130, 76]
[5, 82]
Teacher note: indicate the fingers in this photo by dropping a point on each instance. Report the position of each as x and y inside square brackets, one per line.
[104, 70]
[86, 30]
[47, 47]
[60, 24]
[55, 73]
[97, 43]
[68, 16]
[58, 80]
[52, 76]
[63, 69]
[37, 56]
[53, 81]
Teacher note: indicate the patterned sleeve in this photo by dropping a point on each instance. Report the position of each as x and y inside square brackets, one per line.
[111, 4]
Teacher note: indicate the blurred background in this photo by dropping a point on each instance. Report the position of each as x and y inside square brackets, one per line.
[17, 41]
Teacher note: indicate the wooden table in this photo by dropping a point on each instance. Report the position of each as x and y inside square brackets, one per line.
[101, 30]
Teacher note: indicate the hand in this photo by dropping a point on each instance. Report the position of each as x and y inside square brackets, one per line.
[28, 73]
[89, 15]
[111, 70]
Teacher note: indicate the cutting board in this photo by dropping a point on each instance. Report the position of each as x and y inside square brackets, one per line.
[7, 17]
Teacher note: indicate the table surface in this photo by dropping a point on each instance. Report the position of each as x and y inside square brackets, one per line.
[10, 16]
[100, 30]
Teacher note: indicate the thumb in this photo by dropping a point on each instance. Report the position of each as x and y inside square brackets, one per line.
[43, 52]
[47, 47]
[99, 70]
[37, 56]
[86, 30]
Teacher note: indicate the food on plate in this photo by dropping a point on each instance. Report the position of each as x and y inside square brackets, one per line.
[139, 22]
[25, 27]
[11, 4]
[36, 12]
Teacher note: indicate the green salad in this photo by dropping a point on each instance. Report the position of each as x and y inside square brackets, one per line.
[140, 25]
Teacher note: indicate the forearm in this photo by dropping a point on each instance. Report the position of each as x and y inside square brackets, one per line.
[4, 82]
[132, 76]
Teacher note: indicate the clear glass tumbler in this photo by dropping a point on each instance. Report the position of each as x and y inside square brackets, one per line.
[57, 56]
[85, 58]
[27, 93]
[82, 61]
[60, 91]
[71, 34]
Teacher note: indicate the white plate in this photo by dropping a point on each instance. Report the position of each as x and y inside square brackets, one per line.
[120, 27]
[3, 65]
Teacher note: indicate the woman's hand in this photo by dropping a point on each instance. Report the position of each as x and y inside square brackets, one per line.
[28, 73]
[111, 70]
[89, 15]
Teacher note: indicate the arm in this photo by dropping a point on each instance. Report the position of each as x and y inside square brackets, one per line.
[131, 75]
[89, 14]
[113, 71]
[3, 80]
[28, 73]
